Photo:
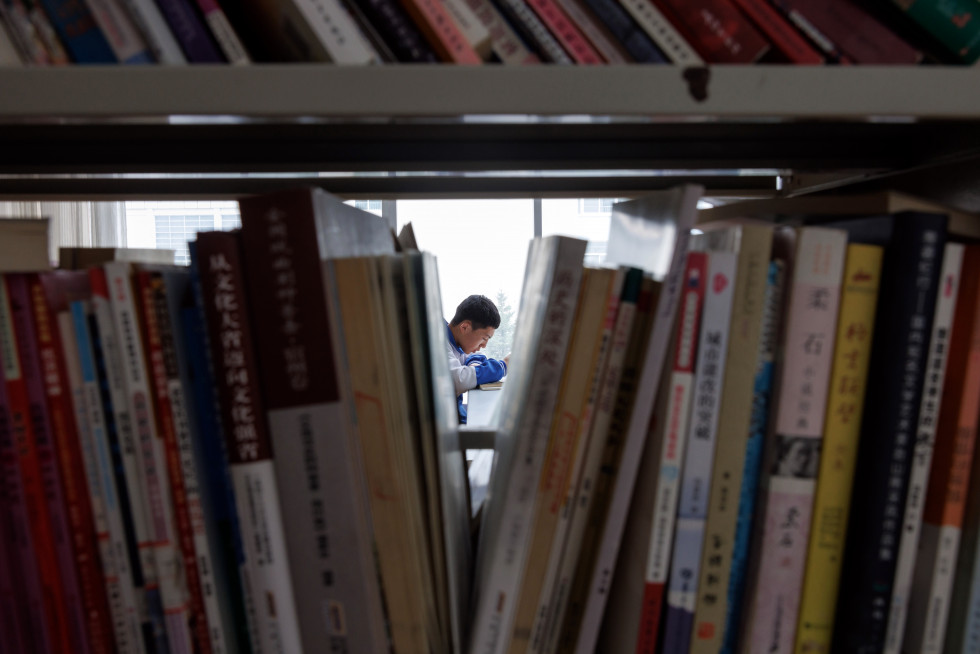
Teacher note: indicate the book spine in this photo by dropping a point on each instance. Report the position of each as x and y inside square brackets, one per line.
[633, 39]
[268, 584]
[761, 407]
[402, 35]
[119, 30]
[585, 453]
[505, 555]
[24, 571]
[12, 594]
[571, 39]
[151, 455]
[672, 450]
[925, 438]
[612, 52]
[45, 31]
[663, 33]
[190, 32]
[692, 508]
[754, 248]
[126, 466]
[445, 36]
[810, 332]
[188, 529]
[717, 30]
[52, 380]
[231, 46]
[475, 32]
[24, 34]
[106, 503]
[35, 457]
[783, 37]
[307, 416]
[10, 52]
[956, 23]
[533, 30]
[949, 476]
[504, 41]
[335, 35]
[910, 280]
[842, 423]
[150, 22]
[79, 32]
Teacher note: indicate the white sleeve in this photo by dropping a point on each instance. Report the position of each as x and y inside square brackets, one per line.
[464, 377]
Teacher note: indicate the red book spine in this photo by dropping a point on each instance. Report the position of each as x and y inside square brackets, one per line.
[71, 464]
[783, 36]
[566, 32]
[149, 289]
[442, 32]
[716, 30]
[29, 460]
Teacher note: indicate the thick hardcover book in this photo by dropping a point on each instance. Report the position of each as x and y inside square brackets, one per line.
[910, 280]
[231, 46]
[77, 29]
[152, 25]
[659, 28]
[787, 43]
[35, 456]
[567, 32]
[753, 246]
[956, 24]
[398, 30]
[265, 576]
[192, 35]
[949, 477]
[842, 422]
[50, 375]
[860, 38]
[792, 461]
[533, 30]
[563, 443]
[627, 31]
[695, 475]
[284, 238]
[932, 391]
[151, 455]
[549, 298]
[172, 423]
[120, 432]
[119, 30]
[716, 30]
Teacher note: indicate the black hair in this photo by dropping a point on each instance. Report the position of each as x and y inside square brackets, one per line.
[479, 310]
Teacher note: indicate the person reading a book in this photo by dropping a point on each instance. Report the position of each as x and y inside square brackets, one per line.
[469, 332]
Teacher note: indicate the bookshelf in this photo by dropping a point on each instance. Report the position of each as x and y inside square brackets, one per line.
[796, 128]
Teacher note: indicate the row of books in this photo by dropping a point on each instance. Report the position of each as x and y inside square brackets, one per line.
[770, 451]
[258, 453]
[683, 32]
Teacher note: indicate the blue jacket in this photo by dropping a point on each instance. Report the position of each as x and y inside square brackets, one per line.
[470, 370]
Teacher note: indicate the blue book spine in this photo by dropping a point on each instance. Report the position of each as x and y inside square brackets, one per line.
[753, 456]
[190, 31]
[93, 365]
[78, 31]
[629, 34]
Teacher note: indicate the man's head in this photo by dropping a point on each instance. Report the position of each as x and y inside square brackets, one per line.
[474, 323]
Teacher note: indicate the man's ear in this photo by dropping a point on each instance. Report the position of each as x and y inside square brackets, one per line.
[466, 326]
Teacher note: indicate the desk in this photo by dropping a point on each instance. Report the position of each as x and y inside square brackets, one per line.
[482, 407]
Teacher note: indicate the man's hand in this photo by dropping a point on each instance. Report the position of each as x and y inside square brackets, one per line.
[507, 360]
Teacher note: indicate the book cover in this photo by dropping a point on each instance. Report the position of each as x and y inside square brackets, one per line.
[753, 246]
[716, 30]
[925, 437]
[842, 422]
[794, 456]
[956, 24]
[910, 279]
[285, 236]
[949, 476]
[695, 475]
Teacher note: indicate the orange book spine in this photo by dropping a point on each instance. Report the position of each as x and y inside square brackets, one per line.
[441, 31]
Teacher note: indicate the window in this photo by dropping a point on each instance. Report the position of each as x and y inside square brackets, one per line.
[170, 225]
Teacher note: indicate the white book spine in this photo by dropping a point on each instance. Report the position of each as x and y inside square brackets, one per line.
[158, 36]
[504, 41]
[932, 390]
[506, 549]
[336, 31]
[119, 30]
[474, 31]
[662, 32]
[87, 404]
[161, 526]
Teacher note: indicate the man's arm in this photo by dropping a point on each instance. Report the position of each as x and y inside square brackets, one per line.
[487, 370]
[464, 377]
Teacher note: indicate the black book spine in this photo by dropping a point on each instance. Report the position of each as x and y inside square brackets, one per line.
[910, 281]
[630, 35]
[397, 30]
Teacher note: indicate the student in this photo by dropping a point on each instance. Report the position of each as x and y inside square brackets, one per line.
[469, 332]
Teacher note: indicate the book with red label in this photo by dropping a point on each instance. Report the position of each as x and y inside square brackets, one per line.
[567, 33]
[716, 29]
[787, 43]
[66, 441]
[35, 458]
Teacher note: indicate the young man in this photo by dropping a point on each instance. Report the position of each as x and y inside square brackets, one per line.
[469, 332]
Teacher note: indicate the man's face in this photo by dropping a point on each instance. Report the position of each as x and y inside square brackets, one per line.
[473, 340]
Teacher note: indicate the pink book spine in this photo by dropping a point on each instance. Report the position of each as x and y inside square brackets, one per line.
[808, 352]
[565, 31]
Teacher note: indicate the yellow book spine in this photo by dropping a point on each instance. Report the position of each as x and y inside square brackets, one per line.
[842, 427]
